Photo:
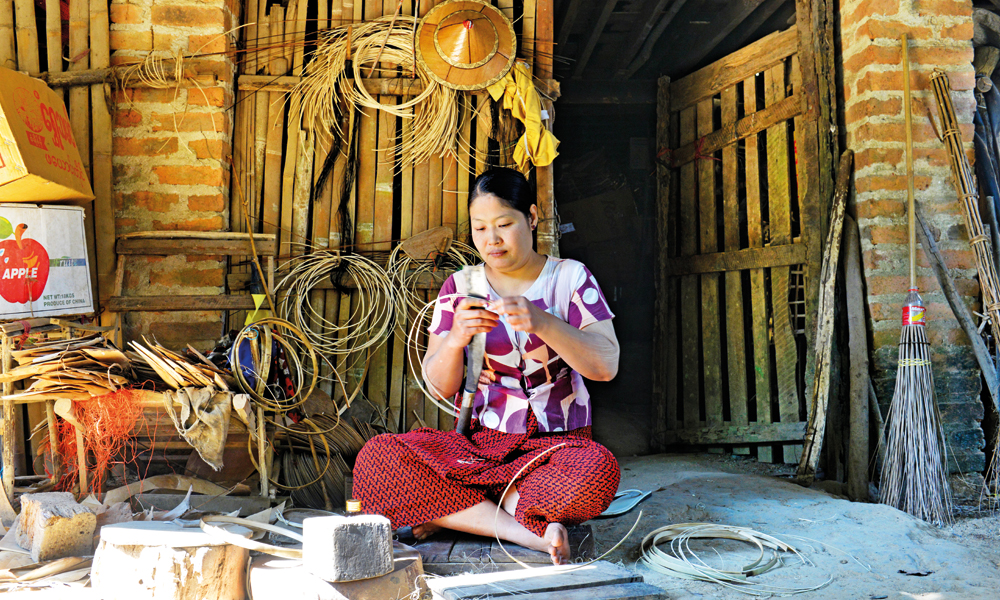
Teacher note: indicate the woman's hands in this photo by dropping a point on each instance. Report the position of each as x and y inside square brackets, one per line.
[522, 314]
[469, 319]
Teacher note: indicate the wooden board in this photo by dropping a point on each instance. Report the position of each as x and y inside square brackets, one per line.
[758, 288]
[708, 235]
[779, 222]
[266, 245]
[543, 579]
[179, 303]
[734, 327]
[689, 292]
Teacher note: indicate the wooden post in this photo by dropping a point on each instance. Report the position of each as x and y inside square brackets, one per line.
[665, 323]
[9, 420]
[104, 214]
[81, 460]
[858, 445]
[265, 486]
[548, 224]
[50, 419]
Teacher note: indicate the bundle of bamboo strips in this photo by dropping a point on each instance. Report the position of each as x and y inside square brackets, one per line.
[158, 364]
[73, 369]
[330, 84]
[965, 187]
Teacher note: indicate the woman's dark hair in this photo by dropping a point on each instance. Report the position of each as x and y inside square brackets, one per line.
[509, 186]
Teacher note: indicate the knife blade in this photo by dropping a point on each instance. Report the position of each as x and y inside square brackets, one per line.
[476, 286]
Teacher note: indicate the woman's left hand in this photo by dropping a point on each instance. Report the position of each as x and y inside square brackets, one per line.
[521, 314]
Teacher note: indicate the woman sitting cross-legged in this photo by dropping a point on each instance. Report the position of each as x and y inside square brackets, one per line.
[548, 327]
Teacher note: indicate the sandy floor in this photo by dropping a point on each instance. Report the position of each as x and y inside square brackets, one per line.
[860, 548]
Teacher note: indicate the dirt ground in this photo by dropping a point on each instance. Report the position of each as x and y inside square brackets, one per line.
[859, 549]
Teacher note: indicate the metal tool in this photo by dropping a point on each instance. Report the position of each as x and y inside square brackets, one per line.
[473, 280]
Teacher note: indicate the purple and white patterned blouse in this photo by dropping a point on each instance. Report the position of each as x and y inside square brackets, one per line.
[523, 371]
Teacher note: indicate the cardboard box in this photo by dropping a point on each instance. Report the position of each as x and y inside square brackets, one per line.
[39, 160]
[44, 269]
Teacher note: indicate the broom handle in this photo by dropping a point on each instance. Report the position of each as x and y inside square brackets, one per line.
[909, 162]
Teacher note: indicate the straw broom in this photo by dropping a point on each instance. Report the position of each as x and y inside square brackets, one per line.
[914, 478]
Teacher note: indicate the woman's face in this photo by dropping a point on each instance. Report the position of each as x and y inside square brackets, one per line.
[501, 234]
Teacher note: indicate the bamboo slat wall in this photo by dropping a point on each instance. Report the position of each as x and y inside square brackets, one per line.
[277, 161]
[89, 113]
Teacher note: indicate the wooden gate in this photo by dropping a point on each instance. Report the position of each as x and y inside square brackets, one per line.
[737, 237]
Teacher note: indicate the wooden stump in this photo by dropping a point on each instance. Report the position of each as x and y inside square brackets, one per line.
[163, 561]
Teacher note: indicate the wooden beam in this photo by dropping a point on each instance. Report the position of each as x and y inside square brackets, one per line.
[646, 22]
[724, 22]
[754, 433]
[712, 79]
[238, 282]
[595, 35]
[566, 26]
[650, 43]
[390, 86]
[94, 76]
[161, 247]
[748, 258]
[179, 303]
[745, 127]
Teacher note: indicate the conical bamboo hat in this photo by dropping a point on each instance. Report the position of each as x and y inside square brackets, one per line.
[465, 44]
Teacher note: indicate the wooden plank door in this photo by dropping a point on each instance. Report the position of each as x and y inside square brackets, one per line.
[734, 258]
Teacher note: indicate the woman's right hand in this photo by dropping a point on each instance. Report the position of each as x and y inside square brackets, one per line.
[469, 319]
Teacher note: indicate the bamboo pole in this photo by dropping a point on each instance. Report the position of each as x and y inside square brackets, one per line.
[8, 56]
[104, 215]
[9, 420]
[50, 421]
[53, 36]
[27, 36]
[79, 27]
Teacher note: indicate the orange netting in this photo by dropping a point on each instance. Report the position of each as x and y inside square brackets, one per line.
[109, 422]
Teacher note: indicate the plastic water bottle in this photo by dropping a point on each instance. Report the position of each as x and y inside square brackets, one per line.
[913, 309]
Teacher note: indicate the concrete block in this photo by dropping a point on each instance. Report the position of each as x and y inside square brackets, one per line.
[53, 525]
[339, 548]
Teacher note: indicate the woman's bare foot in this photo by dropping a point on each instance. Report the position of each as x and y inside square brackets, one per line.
[425, 530]
[557, 539]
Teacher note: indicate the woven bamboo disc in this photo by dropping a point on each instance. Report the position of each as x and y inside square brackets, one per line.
[466, 44]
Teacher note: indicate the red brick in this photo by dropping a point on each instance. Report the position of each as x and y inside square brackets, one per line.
[898, 284]
[189, 175]
[206, 224]
[152, 95]
[213, 96]
[877, 156]
[922, 132]
[188, 16]
[165, 41]
[952, 8]
[217, 149]
[125, 14]
[127, 118]
[131, 40]
[888, 235]
[954, 259]
[188, 277]
[208, 44]
[962, 31]
[214, 65]
[192, 259]
[872, 7]
[940, 57]
[873, 29]
[145, 146]
[872, 55]
[197, 332]
[191, 121]
[872, 183]
[873, 106]
[212, 203]
[878, 207]
[149, 201]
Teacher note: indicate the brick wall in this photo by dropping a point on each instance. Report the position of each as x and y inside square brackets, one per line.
[941, 37]
[172, 152]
